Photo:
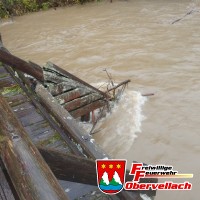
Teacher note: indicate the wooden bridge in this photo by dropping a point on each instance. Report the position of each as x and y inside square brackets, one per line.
[40, 139]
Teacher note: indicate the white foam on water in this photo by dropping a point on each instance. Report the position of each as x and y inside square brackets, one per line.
[121, 127]
[102, 85]
[194, 4]
[6, 23]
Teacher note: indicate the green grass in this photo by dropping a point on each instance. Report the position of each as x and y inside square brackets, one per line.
[51, 140]
[4, 75]
[11, 91]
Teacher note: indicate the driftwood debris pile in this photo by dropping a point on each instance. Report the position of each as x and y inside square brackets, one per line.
[40, 139]
[76, 96]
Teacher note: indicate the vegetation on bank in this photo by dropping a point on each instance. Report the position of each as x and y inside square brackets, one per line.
[18, 7]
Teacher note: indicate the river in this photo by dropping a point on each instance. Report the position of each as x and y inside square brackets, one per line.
[134, 40]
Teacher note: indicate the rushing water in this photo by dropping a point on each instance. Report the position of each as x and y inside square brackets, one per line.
[134, 40]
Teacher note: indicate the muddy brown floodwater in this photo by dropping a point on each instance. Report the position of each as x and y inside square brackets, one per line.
[134, 40]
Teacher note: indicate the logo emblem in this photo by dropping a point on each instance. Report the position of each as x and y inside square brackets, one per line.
[110, 175]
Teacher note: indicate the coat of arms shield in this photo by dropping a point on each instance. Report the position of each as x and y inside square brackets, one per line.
[110, 175]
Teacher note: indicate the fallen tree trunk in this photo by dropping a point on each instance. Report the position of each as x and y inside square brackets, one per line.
[21, 65]
[78, 169]
[29, 68]
[29, 173]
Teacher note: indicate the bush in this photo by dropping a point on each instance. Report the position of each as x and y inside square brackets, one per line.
[19, 7]
[3, 12]
[30, 5]
[45, 6]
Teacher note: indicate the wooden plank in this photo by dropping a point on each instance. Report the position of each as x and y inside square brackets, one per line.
[30, 175]
[2, 69]
[43, 135]
[59, 164]
[71, 76]
[69, 125]
[16, 99]
[71, 95]
[39, 131]
[50, 120]
[37, 127]
[65, 166]
[119, 85]
[5, 190]
[23, 109]
[24, 106]
[88, 108]
[4, 74]
[6, 82]
[56, 89]
[80, 102]
[31, 118]
[53, 77]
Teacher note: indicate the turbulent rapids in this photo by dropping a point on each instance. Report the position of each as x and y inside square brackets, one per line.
[128, 117]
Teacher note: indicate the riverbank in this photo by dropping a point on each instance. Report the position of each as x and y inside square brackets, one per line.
[20, 7]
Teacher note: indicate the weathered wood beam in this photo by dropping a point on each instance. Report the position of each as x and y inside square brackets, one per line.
[21, 65]
[7, 58]
[5, 82]
[54, 77]
[82, 101]
[71, 76]
[65, 166]
[35, 102]
[69, 125]
[147, 94]
[56, 89]
[42, 110]
[118, 85]
[71, 95]
[87, 108]
[29, 173]
[5, 190]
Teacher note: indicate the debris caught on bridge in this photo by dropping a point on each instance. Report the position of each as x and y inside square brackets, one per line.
[39, 108]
